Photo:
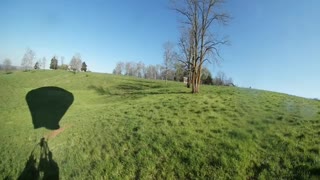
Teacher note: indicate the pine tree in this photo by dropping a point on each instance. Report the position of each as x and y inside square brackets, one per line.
[36, 66]
[84, 67]
[54, 63]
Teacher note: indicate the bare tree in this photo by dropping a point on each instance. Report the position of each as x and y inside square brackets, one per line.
[147, 72]
[119, 69]
[75, 63]
[140, 69]
[198, 17]
[168, 57]
[7, 65]
[229, 82]
[144, 71]
[157, 71]
[151, 72]
[134, 69]
[222, 80]
[129, 68]
[185, 43]
[62, 60]
[27, 60]
[44, 60]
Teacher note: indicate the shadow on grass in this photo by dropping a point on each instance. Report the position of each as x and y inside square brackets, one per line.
[134, 89]
[44, 167]
[100, 90]
[47, 106]
[138, 86]
[146, 81]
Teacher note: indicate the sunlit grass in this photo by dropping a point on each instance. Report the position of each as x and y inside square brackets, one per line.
[123, 128]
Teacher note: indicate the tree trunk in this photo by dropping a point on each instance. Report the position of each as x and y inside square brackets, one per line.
[195, 84]
[189, 80]
[199, 77]
[166, 76]
[198, 81]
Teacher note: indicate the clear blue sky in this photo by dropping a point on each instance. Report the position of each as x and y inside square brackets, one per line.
[275, 45]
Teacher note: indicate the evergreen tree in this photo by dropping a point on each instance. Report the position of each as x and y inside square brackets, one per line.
[54, 63]
[36, 66]
[84, 67]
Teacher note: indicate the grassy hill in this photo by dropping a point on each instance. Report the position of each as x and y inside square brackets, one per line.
[127, 128]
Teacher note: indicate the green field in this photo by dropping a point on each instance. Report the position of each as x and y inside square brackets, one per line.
[120, 127]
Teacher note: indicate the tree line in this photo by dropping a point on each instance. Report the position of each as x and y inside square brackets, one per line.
[29, 61]
[139, 69]
[75, 64]
[173, 71]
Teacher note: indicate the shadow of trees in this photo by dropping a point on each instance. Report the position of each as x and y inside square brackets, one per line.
[47, 106]
[44, 167]
[127, 89]
[134, 88]
[100, 90]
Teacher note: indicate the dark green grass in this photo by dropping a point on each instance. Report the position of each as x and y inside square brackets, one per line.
[125, 128]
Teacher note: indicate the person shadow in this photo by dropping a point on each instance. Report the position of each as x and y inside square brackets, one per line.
[44, 167]
[47, 106]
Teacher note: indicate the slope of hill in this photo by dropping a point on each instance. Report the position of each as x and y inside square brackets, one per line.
[123, 128]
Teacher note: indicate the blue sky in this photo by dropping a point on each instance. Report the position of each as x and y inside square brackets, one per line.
[275, 45]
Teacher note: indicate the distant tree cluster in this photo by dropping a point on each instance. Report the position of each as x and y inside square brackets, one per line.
[7, 66]
[222, 80]
[139, 69]
[176, 72]
[171, 69]
[63, 67]
[75, 64]
[29, 62]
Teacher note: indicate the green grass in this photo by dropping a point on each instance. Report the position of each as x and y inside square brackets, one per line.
[127, 128]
